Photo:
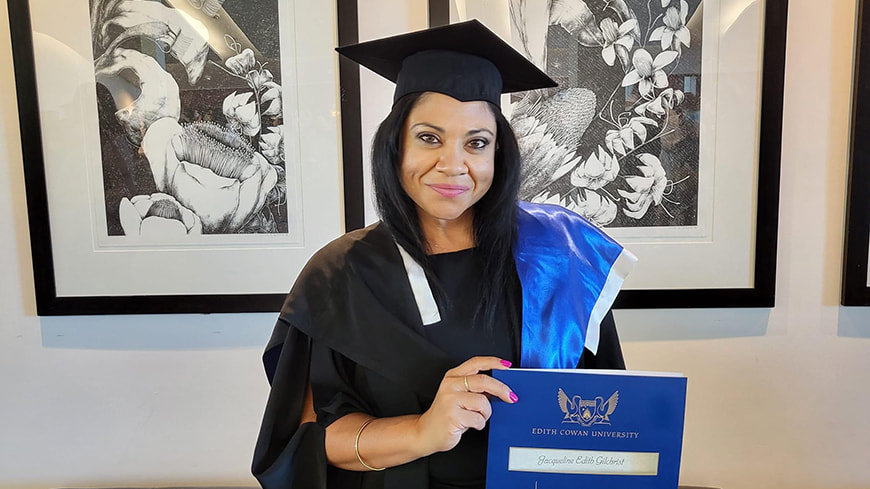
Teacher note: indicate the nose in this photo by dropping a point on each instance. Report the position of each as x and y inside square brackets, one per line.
[451, 160]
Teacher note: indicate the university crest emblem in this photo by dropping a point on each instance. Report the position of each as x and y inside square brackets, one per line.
[587, 412]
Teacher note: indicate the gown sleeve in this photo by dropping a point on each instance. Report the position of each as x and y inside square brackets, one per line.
[289, 455]
[609, 352]
[331, 378]
[332, 386]
[293, 456]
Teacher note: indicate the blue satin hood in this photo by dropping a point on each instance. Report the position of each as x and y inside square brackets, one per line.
[570, 272]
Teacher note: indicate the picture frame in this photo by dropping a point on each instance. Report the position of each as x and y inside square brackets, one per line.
[79, 266]
[856, 282]
[667, 253]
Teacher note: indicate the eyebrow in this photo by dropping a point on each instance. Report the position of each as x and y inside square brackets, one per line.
[426, 124]
[441, 130]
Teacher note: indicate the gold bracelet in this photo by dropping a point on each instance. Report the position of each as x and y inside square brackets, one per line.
[356, 447]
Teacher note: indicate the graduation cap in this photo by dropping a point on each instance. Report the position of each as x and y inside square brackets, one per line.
[466, 61]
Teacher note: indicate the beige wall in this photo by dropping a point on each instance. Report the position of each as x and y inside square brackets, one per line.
[777, 398]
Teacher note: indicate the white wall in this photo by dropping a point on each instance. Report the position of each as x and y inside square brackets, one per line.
[777, 398]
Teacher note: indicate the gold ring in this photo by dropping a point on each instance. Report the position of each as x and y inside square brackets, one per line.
[466, 384]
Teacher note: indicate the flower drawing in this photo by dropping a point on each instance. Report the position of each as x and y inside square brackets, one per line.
[272, 144]
[596, 172]
[211, 170]
[648, 72]
[674, 34]
[622, 140]
[258, 79]
[546, 134]
[597, 143]
[667, 99]
[272, 98]
[598, 209]
[647, 189]
[217, 168]
[242, 114]
[242, 63]
[157, 217]
[618, 40]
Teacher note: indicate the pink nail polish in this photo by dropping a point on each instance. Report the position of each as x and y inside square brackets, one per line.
[506, 363]
[514, 397]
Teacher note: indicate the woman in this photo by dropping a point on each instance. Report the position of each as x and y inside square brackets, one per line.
[378, 359]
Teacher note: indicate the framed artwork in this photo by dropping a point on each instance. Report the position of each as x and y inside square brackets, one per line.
[856, 253]
[665, 131]
[181, 156]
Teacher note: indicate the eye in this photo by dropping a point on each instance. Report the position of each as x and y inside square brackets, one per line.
[428, 138]
[478, 143]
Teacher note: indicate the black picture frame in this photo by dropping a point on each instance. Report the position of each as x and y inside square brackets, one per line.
[855, 287]
[47, 300]
[762, 293]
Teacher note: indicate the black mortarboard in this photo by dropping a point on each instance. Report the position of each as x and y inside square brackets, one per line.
[466, 61]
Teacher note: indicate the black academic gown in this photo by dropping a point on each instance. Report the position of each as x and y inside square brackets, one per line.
[353, 300]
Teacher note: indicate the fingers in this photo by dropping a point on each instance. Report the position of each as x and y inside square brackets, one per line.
[484, 384]
[471, 419]
[467, 377]
[477, 364]
[463, 401]
[477, 403]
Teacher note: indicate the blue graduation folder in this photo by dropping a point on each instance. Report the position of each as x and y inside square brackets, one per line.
[587, 429]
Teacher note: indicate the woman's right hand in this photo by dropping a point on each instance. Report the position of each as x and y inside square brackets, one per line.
[456, 409]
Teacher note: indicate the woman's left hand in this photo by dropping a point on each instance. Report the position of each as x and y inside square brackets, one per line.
[461, 403]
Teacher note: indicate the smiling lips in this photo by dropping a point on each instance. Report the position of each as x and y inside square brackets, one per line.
[449, 190]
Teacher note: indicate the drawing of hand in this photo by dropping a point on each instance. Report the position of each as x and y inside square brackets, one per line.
[180, 34]
[157, 91]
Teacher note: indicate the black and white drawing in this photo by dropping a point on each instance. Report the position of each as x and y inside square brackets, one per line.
[190, 117]
[856, 251]
[618, 140]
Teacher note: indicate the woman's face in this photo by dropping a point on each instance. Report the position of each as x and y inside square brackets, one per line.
[447, 151]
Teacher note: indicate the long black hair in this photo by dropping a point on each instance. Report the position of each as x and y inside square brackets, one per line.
[494, 217]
